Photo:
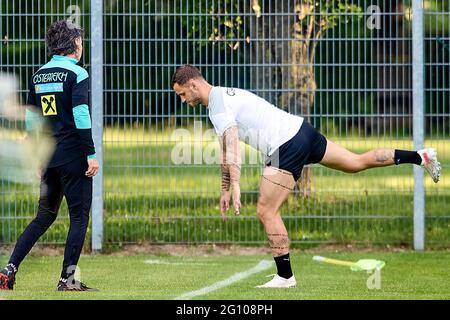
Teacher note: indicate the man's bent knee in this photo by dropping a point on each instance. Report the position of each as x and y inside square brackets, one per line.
[265, 213]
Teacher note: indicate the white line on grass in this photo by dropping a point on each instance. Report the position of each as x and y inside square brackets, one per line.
[262, 265]
[184, 263]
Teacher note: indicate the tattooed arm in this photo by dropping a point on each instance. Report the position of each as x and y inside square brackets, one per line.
[224, 168]
[231, 169]
[225, 190]
[232, 157]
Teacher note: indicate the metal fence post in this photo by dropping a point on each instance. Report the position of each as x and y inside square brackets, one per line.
[418, 119]
[97, 118]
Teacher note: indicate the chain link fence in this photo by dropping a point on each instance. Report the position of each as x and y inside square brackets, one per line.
[344, 65]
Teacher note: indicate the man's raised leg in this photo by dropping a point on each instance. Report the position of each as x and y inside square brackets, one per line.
[339, 158]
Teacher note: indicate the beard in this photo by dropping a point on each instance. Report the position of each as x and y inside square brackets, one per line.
[195, 102]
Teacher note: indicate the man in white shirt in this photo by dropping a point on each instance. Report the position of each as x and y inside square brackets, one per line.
[289, 142]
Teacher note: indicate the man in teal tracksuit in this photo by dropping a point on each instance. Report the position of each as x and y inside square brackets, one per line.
[58, 92]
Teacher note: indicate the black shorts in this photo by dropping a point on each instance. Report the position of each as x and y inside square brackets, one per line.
[306, 147]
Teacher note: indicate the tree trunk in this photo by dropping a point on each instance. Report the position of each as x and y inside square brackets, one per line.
[285, 64]
[268, 56]
[302, 78]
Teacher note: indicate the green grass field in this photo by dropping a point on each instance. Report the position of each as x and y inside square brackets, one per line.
[407, 275]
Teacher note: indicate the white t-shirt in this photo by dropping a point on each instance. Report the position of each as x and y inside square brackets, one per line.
[260, 124]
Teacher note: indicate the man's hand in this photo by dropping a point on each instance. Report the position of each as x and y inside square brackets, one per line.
[93, 167]
[39, 173]
[224, 203]
[236, 198]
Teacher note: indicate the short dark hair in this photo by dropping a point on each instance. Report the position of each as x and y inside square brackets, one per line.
[61, 36]
[185, 73]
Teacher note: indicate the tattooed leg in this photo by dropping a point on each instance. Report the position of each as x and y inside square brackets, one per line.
[279, 243]
[274, 190]
[276, 183]
[339, 158]
[380, 157]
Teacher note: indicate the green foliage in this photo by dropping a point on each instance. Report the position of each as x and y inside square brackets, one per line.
[227, 23]
[335, 12]
[217, 22]
[437, 24]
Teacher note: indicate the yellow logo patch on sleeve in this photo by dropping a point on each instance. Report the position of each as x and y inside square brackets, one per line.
[48, 104]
